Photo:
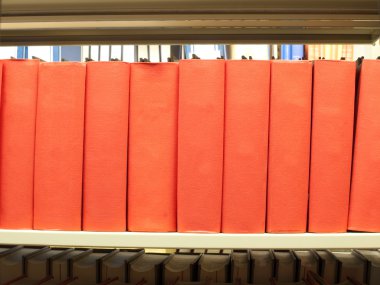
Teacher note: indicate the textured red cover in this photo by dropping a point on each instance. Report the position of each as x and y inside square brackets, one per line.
[246, 146]
[18, 113]
[331, 145]
[59, 146]
[152, 165]
[1, 80]
[365, 188]
[289, 146]
[200, 145]
[105, 148]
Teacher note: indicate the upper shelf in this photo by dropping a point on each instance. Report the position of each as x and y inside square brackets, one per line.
[188, 21]
[191, 240]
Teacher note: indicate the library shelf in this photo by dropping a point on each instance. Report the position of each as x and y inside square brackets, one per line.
[190, 240]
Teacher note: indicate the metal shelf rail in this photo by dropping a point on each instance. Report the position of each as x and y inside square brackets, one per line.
[40, 22]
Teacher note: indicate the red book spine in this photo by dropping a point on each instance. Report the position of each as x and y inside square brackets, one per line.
[200, 145]
[59, 146]
[105, 147]
[152, 166]
[364, 212]
[18, 113]
[1, 79]
[331, 145]
[246, 146]
[289, 146]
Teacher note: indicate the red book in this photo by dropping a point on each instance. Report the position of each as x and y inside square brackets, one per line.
[331, 145]
[364, 212]
[105, 147]
[246, 146]
[289, 146]
[59, 146]
[200, 145]
[152, 164]
[18, 114]
[1, 79]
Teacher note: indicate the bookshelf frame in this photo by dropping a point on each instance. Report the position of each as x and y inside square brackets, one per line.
[190, 240]
[41, 22]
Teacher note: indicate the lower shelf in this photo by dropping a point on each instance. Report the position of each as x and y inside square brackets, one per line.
[190, 240]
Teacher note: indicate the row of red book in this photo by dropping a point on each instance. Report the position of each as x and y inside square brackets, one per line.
[196, 146]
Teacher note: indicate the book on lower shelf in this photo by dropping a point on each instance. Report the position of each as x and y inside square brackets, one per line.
[214, 267]
[113, 267]
[11, 263]
[286, 266]
[350, 264]
[372, 259]
[307, 260]
[180, 267]
[262, 266]
[240, 266]
[147, 268]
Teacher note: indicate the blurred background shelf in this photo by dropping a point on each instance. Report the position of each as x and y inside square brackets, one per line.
[191, 240]
[42, 22]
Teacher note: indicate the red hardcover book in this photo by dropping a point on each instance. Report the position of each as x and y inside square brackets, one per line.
[364, 212]
[331, 145]
[18, 114]
[289, 146]
[200, 145]
[152, 164]
[59, 146]
[246, 146]
[1, 79]
[105, 147]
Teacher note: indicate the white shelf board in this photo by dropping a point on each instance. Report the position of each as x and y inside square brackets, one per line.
[189, 240]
